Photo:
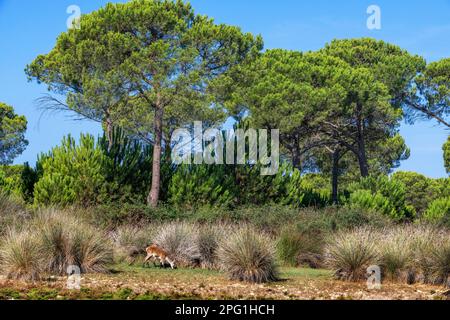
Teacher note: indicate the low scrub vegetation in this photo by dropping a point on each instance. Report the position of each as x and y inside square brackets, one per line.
[407, 254]
[246, 243]
[52, 241]
[248, 255]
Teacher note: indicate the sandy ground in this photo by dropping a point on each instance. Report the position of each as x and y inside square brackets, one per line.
[139, 283]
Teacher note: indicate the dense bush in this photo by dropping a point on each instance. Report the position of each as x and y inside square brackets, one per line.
[199, 185]
[248, 255]
[446, 149]
[126, 168]
[93, 172]
[420, 190]
[71, 173]
[10, 179]
[438, 211]
[383, 194]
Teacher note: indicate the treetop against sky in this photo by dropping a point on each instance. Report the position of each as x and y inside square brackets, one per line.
[28, 29]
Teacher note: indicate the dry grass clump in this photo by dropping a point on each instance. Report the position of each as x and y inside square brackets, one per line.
[130, 242]
[51, 242]
[68, 240]
[350, 253]
[396, 250]
[405, 253]
[432, 255]
[12, 212]
[248, 255]
[180, 241]
[209, 239]
[21, 255]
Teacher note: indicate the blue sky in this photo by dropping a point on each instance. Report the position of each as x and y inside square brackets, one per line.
[29, 28]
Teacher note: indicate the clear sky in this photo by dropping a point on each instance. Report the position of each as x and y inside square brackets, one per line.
[29, 28]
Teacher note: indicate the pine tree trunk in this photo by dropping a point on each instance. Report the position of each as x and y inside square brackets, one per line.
[296, 159]
[362, 156]
[335, 177]
[153, 197]
[109, 131]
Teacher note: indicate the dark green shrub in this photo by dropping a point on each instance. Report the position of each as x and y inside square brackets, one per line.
[11, 181]
[200, 185]
[446, 149]
[382, 194]
[438, 211]
[127, 168]
[421, 190]
[71, 174]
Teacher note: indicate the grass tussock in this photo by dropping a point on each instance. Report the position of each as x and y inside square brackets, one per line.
[51, 242]
[350, 253]
[248, 255]
[131, 241]
[21, 255]
[68, 240]
[209, 239]
[180, 241]
[12, 212]
[405, 253]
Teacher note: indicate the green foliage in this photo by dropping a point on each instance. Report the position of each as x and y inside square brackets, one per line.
[390, 64]
[126, 167]
[29, 178]
[223, 185]
[89, 173]
[432, 94]
[105, 70]
[10, 179]
[199, 185]
[305, 191]
[439, 210]
[71, 173]
[446, 149]
[420, 190]
[12, 134]
[382, 194]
